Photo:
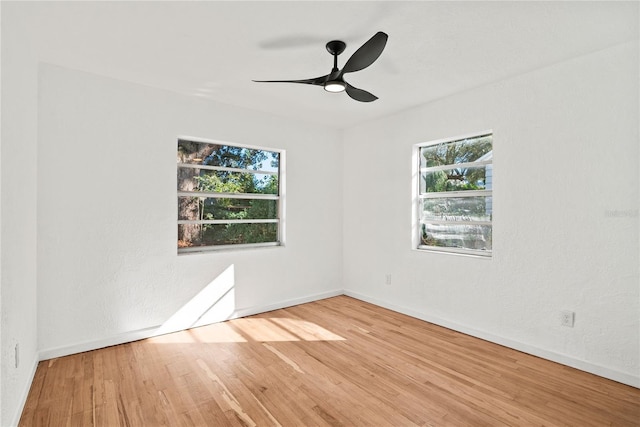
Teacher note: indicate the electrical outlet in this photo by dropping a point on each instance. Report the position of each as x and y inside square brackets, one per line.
[387, 280]
[567, 318]
[17, 355]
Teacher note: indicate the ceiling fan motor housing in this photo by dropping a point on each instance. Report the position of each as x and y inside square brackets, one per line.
[336, 47]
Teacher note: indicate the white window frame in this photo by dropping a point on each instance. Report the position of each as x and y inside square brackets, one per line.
[280, 197]
[418, 196]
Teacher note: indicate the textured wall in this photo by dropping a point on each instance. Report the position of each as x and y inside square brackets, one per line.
[566, 214]
[18, 308]
[107, 206]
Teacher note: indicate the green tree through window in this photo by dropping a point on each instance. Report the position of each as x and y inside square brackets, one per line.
[227, 195]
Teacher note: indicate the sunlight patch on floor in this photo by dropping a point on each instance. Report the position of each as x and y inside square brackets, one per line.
[260, 329]
[307, 331]
[273, 329]
[217, 333]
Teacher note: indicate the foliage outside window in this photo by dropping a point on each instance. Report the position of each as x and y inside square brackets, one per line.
[455, 205]
[228, 196]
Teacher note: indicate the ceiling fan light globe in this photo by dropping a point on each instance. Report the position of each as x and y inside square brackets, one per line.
[335, 86]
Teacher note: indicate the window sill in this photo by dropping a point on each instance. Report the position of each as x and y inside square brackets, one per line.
[228, 248]
[460, 252]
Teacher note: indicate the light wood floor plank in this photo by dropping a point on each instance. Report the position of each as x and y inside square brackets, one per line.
[334, 362]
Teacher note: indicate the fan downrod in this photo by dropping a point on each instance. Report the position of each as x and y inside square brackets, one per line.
[336, 47]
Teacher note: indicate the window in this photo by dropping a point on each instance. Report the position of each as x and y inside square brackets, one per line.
[228, 196]
[455, 207]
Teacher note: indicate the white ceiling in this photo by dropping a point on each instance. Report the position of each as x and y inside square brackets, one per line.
[214, 49]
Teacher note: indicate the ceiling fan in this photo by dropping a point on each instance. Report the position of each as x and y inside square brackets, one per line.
[361, 59]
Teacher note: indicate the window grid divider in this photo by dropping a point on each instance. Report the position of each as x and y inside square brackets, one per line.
[467, 193]
[468, 165]
[228, 221]
[214, 195]
[226, 169]
[452, 222]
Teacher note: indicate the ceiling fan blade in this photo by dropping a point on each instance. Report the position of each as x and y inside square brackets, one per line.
[367, 53]
[359, 94]
[316, 81]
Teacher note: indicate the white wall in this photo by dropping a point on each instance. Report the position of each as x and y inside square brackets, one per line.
[1, 343]
[18, 308]
[107, 206]
[566, 214]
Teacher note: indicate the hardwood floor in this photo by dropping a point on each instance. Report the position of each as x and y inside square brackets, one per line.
[334, 362]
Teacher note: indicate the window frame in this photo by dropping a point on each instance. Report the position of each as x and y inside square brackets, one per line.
[279, 197]
[419, 195]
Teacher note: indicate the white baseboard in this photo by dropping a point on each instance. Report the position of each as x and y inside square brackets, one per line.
[153, 331]
[563, 359]
[288, 303]
[25, 392]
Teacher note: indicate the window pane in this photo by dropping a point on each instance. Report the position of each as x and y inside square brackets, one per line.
[461, 151]
[206, 208]
[474, 237]
[248, 173]
[457, 179]
[227, 156]
[190, 179]
[457, 208]
[193, 235]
